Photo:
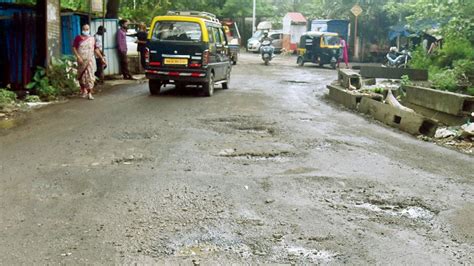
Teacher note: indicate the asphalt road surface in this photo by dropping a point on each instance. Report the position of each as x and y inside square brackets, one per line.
[268, 171]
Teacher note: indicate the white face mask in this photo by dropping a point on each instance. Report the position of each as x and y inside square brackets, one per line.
[86, 33]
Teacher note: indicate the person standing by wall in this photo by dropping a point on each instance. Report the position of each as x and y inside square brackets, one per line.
[84, 48]
[122, 48]
[100, 66]
[344, 54]
[142, 38]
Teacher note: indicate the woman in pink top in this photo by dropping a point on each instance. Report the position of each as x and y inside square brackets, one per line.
[344, 52]
[84, 47]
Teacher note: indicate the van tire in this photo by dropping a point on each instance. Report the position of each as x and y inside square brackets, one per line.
[225, 85]
[154, 86]
[208, 87]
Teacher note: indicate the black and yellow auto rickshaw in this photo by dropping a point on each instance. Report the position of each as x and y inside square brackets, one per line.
[319, 48]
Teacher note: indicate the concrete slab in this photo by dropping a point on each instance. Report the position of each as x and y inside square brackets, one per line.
[442, 101]
[343, 96]
[442, 118]
[349, 78]
[412, 123]
[393, 73]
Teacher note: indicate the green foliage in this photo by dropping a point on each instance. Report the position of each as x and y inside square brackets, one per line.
[444, 79]
[456, 17]
[62, 75]
[47, 93]
[470, 91]
[6, 97]
[41, 85]
[32, 99]
[420, 60]
[60, 79]
[454, 49]
[405, 81]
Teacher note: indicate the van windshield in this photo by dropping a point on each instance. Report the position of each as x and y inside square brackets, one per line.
[177, 31]
[331, 40]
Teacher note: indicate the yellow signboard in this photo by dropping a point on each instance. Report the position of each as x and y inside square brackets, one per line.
[97, 6]
[356, 10]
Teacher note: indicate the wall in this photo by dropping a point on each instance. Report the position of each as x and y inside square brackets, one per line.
[110, 44]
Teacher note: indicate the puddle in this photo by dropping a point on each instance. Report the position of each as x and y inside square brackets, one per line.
[312, 255]
[411, 212]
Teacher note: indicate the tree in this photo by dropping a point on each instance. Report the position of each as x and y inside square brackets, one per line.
[113, 9]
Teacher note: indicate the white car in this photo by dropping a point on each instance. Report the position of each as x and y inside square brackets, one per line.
[253, 44]
[132, 42]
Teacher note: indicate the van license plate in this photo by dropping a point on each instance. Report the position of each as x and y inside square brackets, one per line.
[176, 61]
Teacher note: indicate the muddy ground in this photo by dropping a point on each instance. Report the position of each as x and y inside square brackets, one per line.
[268, 171]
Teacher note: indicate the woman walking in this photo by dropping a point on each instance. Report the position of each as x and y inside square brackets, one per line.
[344, 53]
[84, 48]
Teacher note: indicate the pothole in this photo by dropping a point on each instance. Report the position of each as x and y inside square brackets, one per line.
[296, 81]
[305, 255]
[260, 130]
[411, 212]
[256, 156]
[134, 158]
[135, 135]
[242, 124]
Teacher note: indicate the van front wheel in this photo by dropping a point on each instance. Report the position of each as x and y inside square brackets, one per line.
[208, 87]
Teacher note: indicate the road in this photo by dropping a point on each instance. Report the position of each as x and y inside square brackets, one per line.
[268, 171]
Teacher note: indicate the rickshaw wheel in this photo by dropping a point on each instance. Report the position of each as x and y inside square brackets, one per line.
[300, 61]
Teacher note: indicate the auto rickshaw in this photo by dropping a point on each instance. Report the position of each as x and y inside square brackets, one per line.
[319, 48]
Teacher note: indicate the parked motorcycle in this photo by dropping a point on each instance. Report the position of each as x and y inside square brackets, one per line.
[397, 59]
[266, 49]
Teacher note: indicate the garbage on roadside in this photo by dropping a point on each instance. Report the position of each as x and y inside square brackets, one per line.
[467, 131]
[443, 133]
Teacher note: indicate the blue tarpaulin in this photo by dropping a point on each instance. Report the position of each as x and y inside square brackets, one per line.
[18, 46]
[398, 31]
[70, 28]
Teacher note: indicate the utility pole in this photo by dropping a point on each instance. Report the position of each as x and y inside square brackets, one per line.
[254, 28]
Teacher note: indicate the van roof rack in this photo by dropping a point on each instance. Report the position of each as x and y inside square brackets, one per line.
[206, 15]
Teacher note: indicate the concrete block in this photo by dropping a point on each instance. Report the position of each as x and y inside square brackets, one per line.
[442, 118]
[134, 64]
[343, 96]
[442, 101]
[393, 73]
[406, 121]
[349, 77]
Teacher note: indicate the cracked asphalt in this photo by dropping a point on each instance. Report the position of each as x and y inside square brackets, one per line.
[268, 171]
